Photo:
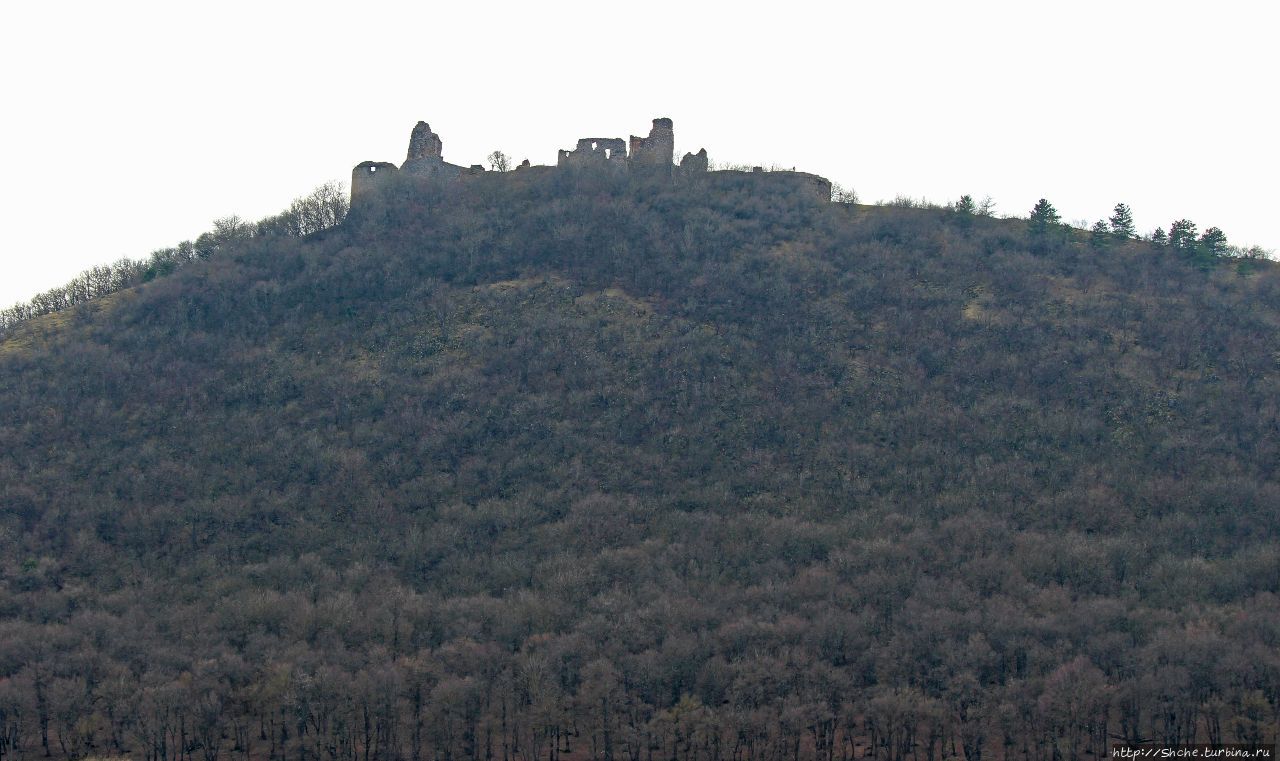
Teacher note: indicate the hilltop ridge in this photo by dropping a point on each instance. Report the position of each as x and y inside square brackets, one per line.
[649, 157]
[570, 462]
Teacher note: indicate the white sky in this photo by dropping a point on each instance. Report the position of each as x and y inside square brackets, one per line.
[129, 126]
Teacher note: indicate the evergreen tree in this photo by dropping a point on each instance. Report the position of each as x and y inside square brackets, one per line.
[1043, 225]
[1213, 243]
[1043, 215]
[1158, 238]
[963, 211]
[1182, 235]
[1100, 235]
[1122, 222]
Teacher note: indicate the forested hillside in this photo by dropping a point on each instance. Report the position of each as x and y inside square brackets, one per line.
[570, 468]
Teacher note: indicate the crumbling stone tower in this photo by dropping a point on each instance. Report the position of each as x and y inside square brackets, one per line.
[426, 155]
[648, 156]
[695, 163]
[368, 179]
[423, 143]
[658, 149]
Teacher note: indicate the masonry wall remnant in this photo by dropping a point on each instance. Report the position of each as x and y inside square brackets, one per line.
[803, 184]
[426, 156]
[694, 163]
[650, 156]
[658, 148]
[423, 143]
[368, 178]
[596, 152]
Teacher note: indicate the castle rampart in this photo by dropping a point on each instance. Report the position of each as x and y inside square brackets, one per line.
[803, 184]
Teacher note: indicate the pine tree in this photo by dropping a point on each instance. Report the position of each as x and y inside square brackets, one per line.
[1043, 225]
[1158, 238]
[1122, 222]
[1100, 235]
[966, 206]
[1182, 235]
[1043, 219]
[1043, 214]
[1213, 243]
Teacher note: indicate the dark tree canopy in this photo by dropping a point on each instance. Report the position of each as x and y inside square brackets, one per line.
[1122, 222]
[1182, 236]
[556, 467]
[1213, 242]
[1043, 214]
[1100, 234]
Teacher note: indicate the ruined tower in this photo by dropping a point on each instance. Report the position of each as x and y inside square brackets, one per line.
[423, 143]
[368, 178]
[658, 149]
[694, 163]
[426, 156]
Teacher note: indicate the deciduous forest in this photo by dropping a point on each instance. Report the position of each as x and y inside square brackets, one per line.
[578, 467]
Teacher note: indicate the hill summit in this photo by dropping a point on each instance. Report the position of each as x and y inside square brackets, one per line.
[649, 157]
[589, 461]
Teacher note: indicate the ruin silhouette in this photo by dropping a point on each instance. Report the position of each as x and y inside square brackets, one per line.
[647, 157]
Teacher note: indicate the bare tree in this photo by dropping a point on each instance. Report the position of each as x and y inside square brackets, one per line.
[499, 161]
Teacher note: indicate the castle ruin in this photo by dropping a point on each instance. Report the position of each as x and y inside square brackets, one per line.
[656, 150]
[650, 156]
[596, 152]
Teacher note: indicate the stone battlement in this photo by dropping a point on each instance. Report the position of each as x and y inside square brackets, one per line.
[650, 156]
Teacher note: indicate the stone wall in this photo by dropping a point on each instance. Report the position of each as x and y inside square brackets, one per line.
[694, 163]
[595, 152]
[656, 150]
[649, 157]
[423, 143]
[425, 158]
[432, 168]
[811, 187]
[368, 178]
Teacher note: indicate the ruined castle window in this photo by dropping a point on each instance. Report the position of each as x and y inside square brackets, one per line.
[606, 153]
[373, 169]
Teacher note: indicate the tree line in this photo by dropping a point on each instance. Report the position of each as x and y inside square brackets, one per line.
[1210, 246]
[323, 208]
[581, 468]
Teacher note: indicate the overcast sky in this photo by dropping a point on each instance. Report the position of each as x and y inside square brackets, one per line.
[129, 126]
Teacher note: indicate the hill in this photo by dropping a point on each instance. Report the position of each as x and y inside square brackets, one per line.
[582, 465]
